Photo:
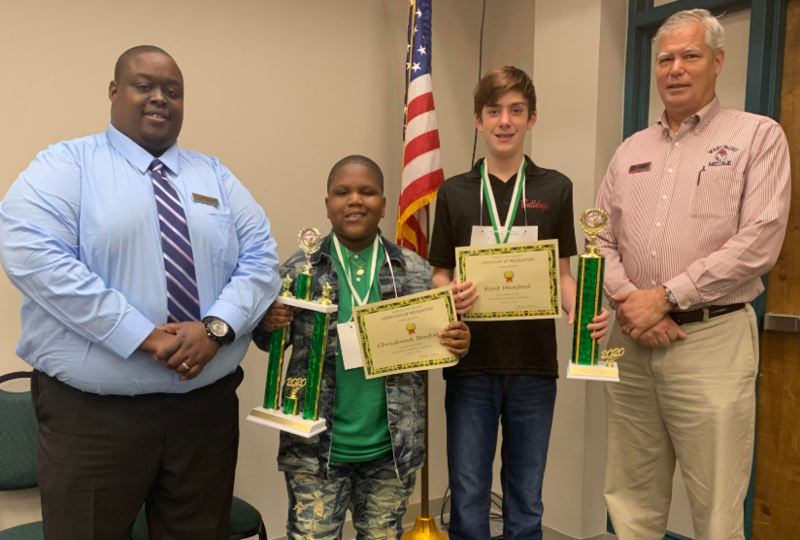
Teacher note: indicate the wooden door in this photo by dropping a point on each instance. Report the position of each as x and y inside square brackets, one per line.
[777, 494]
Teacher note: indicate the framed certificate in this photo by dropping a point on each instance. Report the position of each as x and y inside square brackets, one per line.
[401, 335]
[513, 281]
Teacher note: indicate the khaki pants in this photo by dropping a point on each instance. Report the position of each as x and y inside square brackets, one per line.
[693, 400]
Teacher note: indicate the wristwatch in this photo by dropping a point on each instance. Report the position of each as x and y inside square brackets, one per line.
[670, 298]
[218, 330]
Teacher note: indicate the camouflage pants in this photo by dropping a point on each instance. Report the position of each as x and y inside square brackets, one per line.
[372, 491]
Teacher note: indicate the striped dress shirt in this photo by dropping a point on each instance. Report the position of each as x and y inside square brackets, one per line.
[702, 211]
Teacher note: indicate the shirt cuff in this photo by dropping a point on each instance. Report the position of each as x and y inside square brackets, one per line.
[129, 333]
[684, 290]
[231, 314]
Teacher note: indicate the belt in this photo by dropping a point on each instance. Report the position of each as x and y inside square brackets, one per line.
[704, 314]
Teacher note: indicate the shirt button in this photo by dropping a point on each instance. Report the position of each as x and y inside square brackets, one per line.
[664, 197]
[658, 224]
[677, 144]
[669, 170]
[653, 283]
[355, 256]
[329, 382]
[654, 254]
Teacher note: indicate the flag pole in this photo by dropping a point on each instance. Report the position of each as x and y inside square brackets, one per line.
[425, 524]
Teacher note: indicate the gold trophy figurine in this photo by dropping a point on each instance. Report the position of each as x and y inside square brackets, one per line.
[286, 283]
[310, 241]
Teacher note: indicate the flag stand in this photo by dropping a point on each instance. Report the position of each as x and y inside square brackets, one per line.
[425, 525]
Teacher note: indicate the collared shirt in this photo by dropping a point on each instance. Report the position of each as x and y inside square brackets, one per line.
[80, 237]
[702, 211]
[505, 347]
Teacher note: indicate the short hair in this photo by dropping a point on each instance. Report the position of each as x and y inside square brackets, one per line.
[500, 81]
[125, 57]
[715, 33]
[357, 160]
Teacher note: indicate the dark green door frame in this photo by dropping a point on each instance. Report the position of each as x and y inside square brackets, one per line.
[763, 92]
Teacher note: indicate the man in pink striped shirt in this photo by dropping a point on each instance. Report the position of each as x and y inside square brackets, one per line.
[698, 205]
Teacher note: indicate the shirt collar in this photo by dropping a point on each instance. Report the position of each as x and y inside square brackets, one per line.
[699, 120]
[531, 169]
[138, 156]
[395, 254]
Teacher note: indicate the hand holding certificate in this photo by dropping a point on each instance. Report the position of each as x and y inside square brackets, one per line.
[402, 335]
[513, 281]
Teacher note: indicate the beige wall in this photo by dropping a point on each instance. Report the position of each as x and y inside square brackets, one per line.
[278, 91]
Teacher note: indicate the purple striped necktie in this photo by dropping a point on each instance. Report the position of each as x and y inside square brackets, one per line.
[182, 297]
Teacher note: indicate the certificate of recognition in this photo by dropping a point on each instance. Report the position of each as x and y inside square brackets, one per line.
[401, 335]
[513, 281]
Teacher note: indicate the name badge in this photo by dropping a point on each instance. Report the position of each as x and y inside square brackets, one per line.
[348, 341]
[205, 199]
[641, 167]
[484, 236]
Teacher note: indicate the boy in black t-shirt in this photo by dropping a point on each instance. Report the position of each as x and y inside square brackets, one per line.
[511, 369]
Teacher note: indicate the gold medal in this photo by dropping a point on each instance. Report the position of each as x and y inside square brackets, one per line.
[360, 272]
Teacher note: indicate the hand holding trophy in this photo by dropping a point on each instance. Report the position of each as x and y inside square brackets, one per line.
[289, 419]
[585, 363]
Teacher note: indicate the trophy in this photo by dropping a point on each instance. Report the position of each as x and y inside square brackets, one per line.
[289, 417]
[586, 357]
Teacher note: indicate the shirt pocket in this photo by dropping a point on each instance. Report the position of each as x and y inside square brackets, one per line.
[716, 193]
[224, 242]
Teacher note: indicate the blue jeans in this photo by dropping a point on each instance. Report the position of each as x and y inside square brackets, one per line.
[475, 406]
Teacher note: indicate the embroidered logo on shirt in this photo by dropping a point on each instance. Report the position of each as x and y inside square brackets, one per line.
[721, 156]
[641, 167]
[535, 204]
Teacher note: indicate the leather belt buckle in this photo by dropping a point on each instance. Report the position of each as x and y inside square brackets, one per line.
[706, 315]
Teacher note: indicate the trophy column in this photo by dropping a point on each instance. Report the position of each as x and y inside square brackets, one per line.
[586, 360]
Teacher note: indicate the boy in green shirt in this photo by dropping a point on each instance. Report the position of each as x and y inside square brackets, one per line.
[374, 440]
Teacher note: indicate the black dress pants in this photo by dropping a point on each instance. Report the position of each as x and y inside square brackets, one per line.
[102, 457]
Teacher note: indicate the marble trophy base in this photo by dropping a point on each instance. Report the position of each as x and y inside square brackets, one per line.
[593, 373]
[290, 423]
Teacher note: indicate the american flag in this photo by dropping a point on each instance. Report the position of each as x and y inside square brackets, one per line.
[422, 160]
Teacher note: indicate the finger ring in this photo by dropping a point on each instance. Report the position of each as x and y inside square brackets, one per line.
[626, 329]
[185, 366]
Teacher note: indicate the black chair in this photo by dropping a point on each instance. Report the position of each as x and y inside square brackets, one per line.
[19, 449]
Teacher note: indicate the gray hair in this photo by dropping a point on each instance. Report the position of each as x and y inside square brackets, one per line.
[715, 33]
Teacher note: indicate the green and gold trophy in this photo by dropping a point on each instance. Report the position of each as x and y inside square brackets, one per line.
[587, 362]
[289, 417]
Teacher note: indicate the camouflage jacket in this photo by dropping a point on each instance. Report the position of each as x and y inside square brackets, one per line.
[405, 398]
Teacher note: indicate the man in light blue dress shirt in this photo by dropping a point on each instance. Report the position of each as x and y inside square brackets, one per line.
[143, 267]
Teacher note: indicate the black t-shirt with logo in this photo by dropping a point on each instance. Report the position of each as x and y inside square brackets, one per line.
[505, 347]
